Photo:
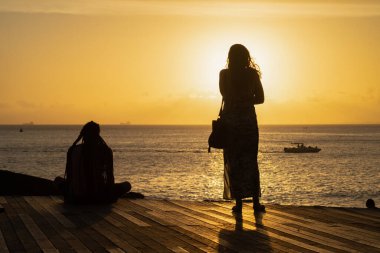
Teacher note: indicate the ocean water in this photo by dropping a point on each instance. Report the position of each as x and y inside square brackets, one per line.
[172, 162]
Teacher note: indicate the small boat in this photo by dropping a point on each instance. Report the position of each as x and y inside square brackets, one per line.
[301, 148]
[21, 130]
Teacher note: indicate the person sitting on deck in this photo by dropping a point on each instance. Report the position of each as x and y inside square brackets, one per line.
[89, 177]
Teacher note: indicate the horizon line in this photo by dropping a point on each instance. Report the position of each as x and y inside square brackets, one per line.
[127, 125]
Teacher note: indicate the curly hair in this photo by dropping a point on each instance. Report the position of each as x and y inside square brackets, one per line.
[240, 58]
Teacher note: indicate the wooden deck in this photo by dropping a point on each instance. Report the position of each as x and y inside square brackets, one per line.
[44, 224]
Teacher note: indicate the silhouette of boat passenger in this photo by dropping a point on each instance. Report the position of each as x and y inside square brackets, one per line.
[89, 177]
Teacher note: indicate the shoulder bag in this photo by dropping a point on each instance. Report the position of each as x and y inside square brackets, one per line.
[219, 136]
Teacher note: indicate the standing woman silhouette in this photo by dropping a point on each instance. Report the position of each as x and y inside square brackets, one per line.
[241, 89]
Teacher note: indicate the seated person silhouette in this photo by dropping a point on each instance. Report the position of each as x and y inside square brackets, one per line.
[89, 175]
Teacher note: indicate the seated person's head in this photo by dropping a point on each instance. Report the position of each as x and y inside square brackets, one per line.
[90, 132]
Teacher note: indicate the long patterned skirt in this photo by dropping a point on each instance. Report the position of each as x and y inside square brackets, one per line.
[241, 172]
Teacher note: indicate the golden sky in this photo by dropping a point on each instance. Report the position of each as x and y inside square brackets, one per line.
[158, 62]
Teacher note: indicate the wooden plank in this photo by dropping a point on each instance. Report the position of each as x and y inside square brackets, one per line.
[172, 211]
[115, 250]
[206, 222]
[284, 235]
[171, 218]
[311, 231]
[141, 209]
[374, 213]
[181, 226]
[334, 228]
[13, 243]
[129, 217]
[48, 206]
[75, 244]
[38, 235]
[3, 244]
[354, 240]
[278, 248]
[84, 233]
[127, 205]
[275, 223]
[170, 241]
[324, 242]
[3, 200]
[130, 233]
[308, 230]
[167, 242]
[179, 250]
[213, 235]
[332, 216]
[237, 229]
[277, 235]
[369, 226]
[182, 229]
[193, 214]
[40, 220]
[196, 240]
[57, 199]
[352, 216]
[104, 229]
[93, 240]
[169, 232]
[27, 240]
[276, 245]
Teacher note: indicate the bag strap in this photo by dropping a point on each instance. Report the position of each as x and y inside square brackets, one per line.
[221, 107]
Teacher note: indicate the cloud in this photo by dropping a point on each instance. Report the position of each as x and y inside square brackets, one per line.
[195, 8]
